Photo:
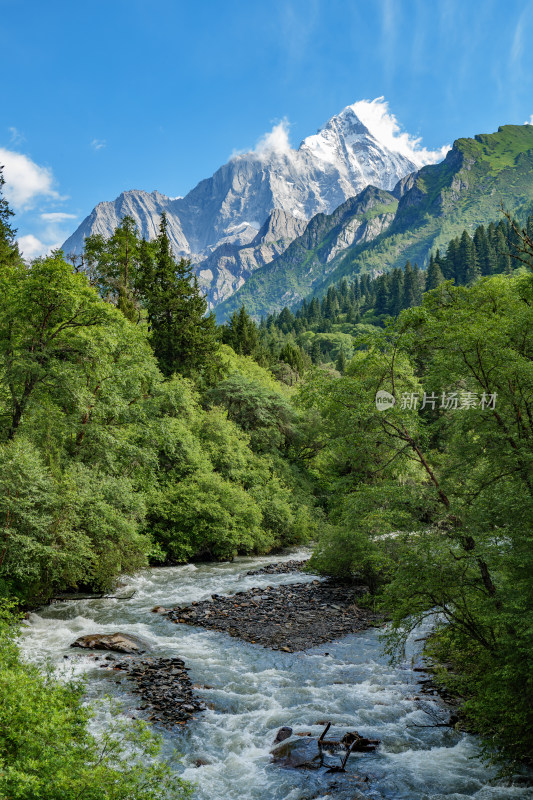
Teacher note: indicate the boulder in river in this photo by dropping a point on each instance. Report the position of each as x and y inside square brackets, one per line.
[298, 754]
[282, 734]
[120, 642]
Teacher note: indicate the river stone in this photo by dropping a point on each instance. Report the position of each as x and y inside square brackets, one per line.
[298, 754]
[282, 734]
[120, 642]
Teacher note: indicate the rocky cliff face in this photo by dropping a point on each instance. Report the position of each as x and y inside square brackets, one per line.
[309, 258]
[250, 210]
[379, 230]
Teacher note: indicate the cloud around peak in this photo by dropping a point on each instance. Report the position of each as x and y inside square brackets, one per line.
[379, 120]
[384, 126]
[276, 141]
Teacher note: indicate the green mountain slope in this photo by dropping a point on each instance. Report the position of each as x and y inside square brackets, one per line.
[433, 205]
[314, 254]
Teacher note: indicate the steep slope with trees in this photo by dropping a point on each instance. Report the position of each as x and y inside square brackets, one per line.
[434, 205]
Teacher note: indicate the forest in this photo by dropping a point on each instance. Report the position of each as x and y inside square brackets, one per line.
[135, 432]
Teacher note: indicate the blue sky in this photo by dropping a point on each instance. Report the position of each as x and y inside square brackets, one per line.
[105, 96]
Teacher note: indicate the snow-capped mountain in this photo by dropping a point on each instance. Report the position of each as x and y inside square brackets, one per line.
[225, 223]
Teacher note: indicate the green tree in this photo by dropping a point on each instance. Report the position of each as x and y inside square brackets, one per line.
[266, 414]
[434, 276]
[47, 749]
[453, 483]
[113, 266]
[410, 288]
[241, 333]
[44, 318]
[340, 364]
[293, 356]
[9, 253]
[382, 303]
[183, 336]
[396, 292]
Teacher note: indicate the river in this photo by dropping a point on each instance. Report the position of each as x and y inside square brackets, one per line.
[253, 692]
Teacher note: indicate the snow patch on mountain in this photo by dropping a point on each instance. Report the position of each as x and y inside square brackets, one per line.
[384, 126]
[361, 146]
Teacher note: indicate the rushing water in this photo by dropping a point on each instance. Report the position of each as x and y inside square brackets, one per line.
[253, 691]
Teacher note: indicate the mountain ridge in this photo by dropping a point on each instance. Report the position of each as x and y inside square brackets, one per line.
[434, 204]
[231, 206]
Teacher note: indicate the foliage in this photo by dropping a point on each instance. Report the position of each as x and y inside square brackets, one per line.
[47, 750]
[267, 415]
[206, 516]
[215, 497]
[114, 266]
[182, 335]
[433, 504]
[9, 253]
[321, 329]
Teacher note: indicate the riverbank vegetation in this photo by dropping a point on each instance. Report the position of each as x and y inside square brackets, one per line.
[134, 431]
[431, 498]
[122, 444]
[48, 751]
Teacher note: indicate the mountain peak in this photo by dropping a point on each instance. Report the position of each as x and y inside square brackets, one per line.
[361, 145]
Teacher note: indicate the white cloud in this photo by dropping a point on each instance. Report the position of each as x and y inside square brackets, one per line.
[529, 121]
[16, 136]
[57, 216]
[25, 180]
[384, 126]
[98, 144]
[277, 141]
[31, 247]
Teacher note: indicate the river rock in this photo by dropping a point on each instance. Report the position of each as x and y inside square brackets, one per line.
[282, 734]
[165, 689]
[279, 568]
[298, 754]
[120, 642]
[289, 617]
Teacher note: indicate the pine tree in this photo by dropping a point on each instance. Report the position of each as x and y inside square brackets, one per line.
[9, 253]
[292, 356]
[340, 363]
[409, 296]
[473, 270]
[381, 305]
[286, 320]
[434, 276]
[449, 264]
[183, 337]
[419, 283]
[396, 292]
[241, 333]
[481, 243]
[316, 352]
[503, 259]
[465, 258]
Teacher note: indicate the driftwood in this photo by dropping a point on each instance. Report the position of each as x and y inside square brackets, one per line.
[308, 753]
[120, 597]
[352, 741]
[342, 767]
[73, 596]
[95, 596]
[326, 729]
